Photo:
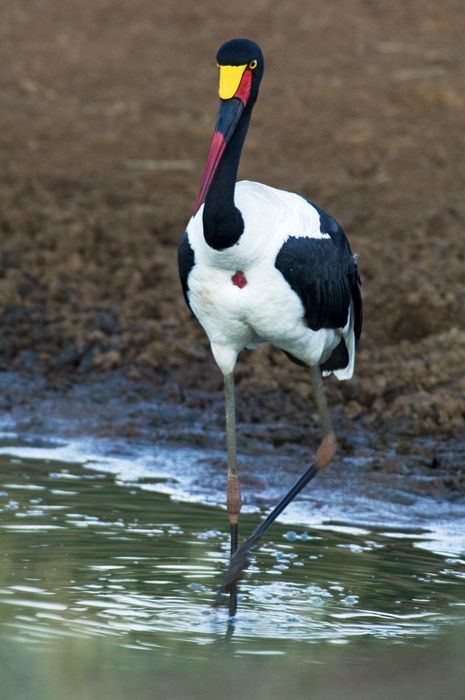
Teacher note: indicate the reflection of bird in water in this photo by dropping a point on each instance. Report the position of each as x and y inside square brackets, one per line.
[261, 265]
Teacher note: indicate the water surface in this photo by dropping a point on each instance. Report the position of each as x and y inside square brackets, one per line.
[87, 555]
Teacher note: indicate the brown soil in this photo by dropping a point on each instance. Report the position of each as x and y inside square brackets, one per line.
[108, 108]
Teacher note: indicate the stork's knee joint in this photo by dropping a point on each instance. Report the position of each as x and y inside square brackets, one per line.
[233, 499]
[326, 450]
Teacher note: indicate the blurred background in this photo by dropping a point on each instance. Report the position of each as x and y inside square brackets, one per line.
[107, 109]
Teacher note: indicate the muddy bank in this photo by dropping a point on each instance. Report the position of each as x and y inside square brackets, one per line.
[375, 476]
[109, 115]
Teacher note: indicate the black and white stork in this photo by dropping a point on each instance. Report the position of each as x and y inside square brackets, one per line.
[262, 265]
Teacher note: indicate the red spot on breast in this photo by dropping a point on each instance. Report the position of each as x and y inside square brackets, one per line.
[239, 279]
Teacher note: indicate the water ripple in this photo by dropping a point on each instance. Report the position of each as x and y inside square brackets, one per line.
[111, 559]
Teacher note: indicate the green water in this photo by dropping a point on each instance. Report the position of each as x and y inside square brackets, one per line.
[99, 576]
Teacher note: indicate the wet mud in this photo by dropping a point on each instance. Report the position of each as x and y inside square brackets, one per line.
[109, 112]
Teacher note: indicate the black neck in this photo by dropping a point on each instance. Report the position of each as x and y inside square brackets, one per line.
[222, 221]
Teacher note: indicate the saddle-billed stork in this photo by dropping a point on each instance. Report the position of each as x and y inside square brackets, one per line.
[261, 265]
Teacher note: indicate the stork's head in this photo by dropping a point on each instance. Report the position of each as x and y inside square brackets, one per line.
[241, 68]
[240, 63]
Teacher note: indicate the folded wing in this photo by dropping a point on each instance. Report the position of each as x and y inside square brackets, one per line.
[323, 272]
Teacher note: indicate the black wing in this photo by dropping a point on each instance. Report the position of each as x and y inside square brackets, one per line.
[323, 272]
[185, 264]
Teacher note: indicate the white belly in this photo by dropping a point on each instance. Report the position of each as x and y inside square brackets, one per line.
[266, 309]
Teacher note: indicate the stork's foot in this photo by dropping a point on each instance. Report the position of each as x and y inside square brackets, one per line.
[326, 450]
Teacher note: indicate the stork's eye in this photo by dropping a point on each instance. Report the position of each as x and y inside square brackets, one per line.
[253, 64]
